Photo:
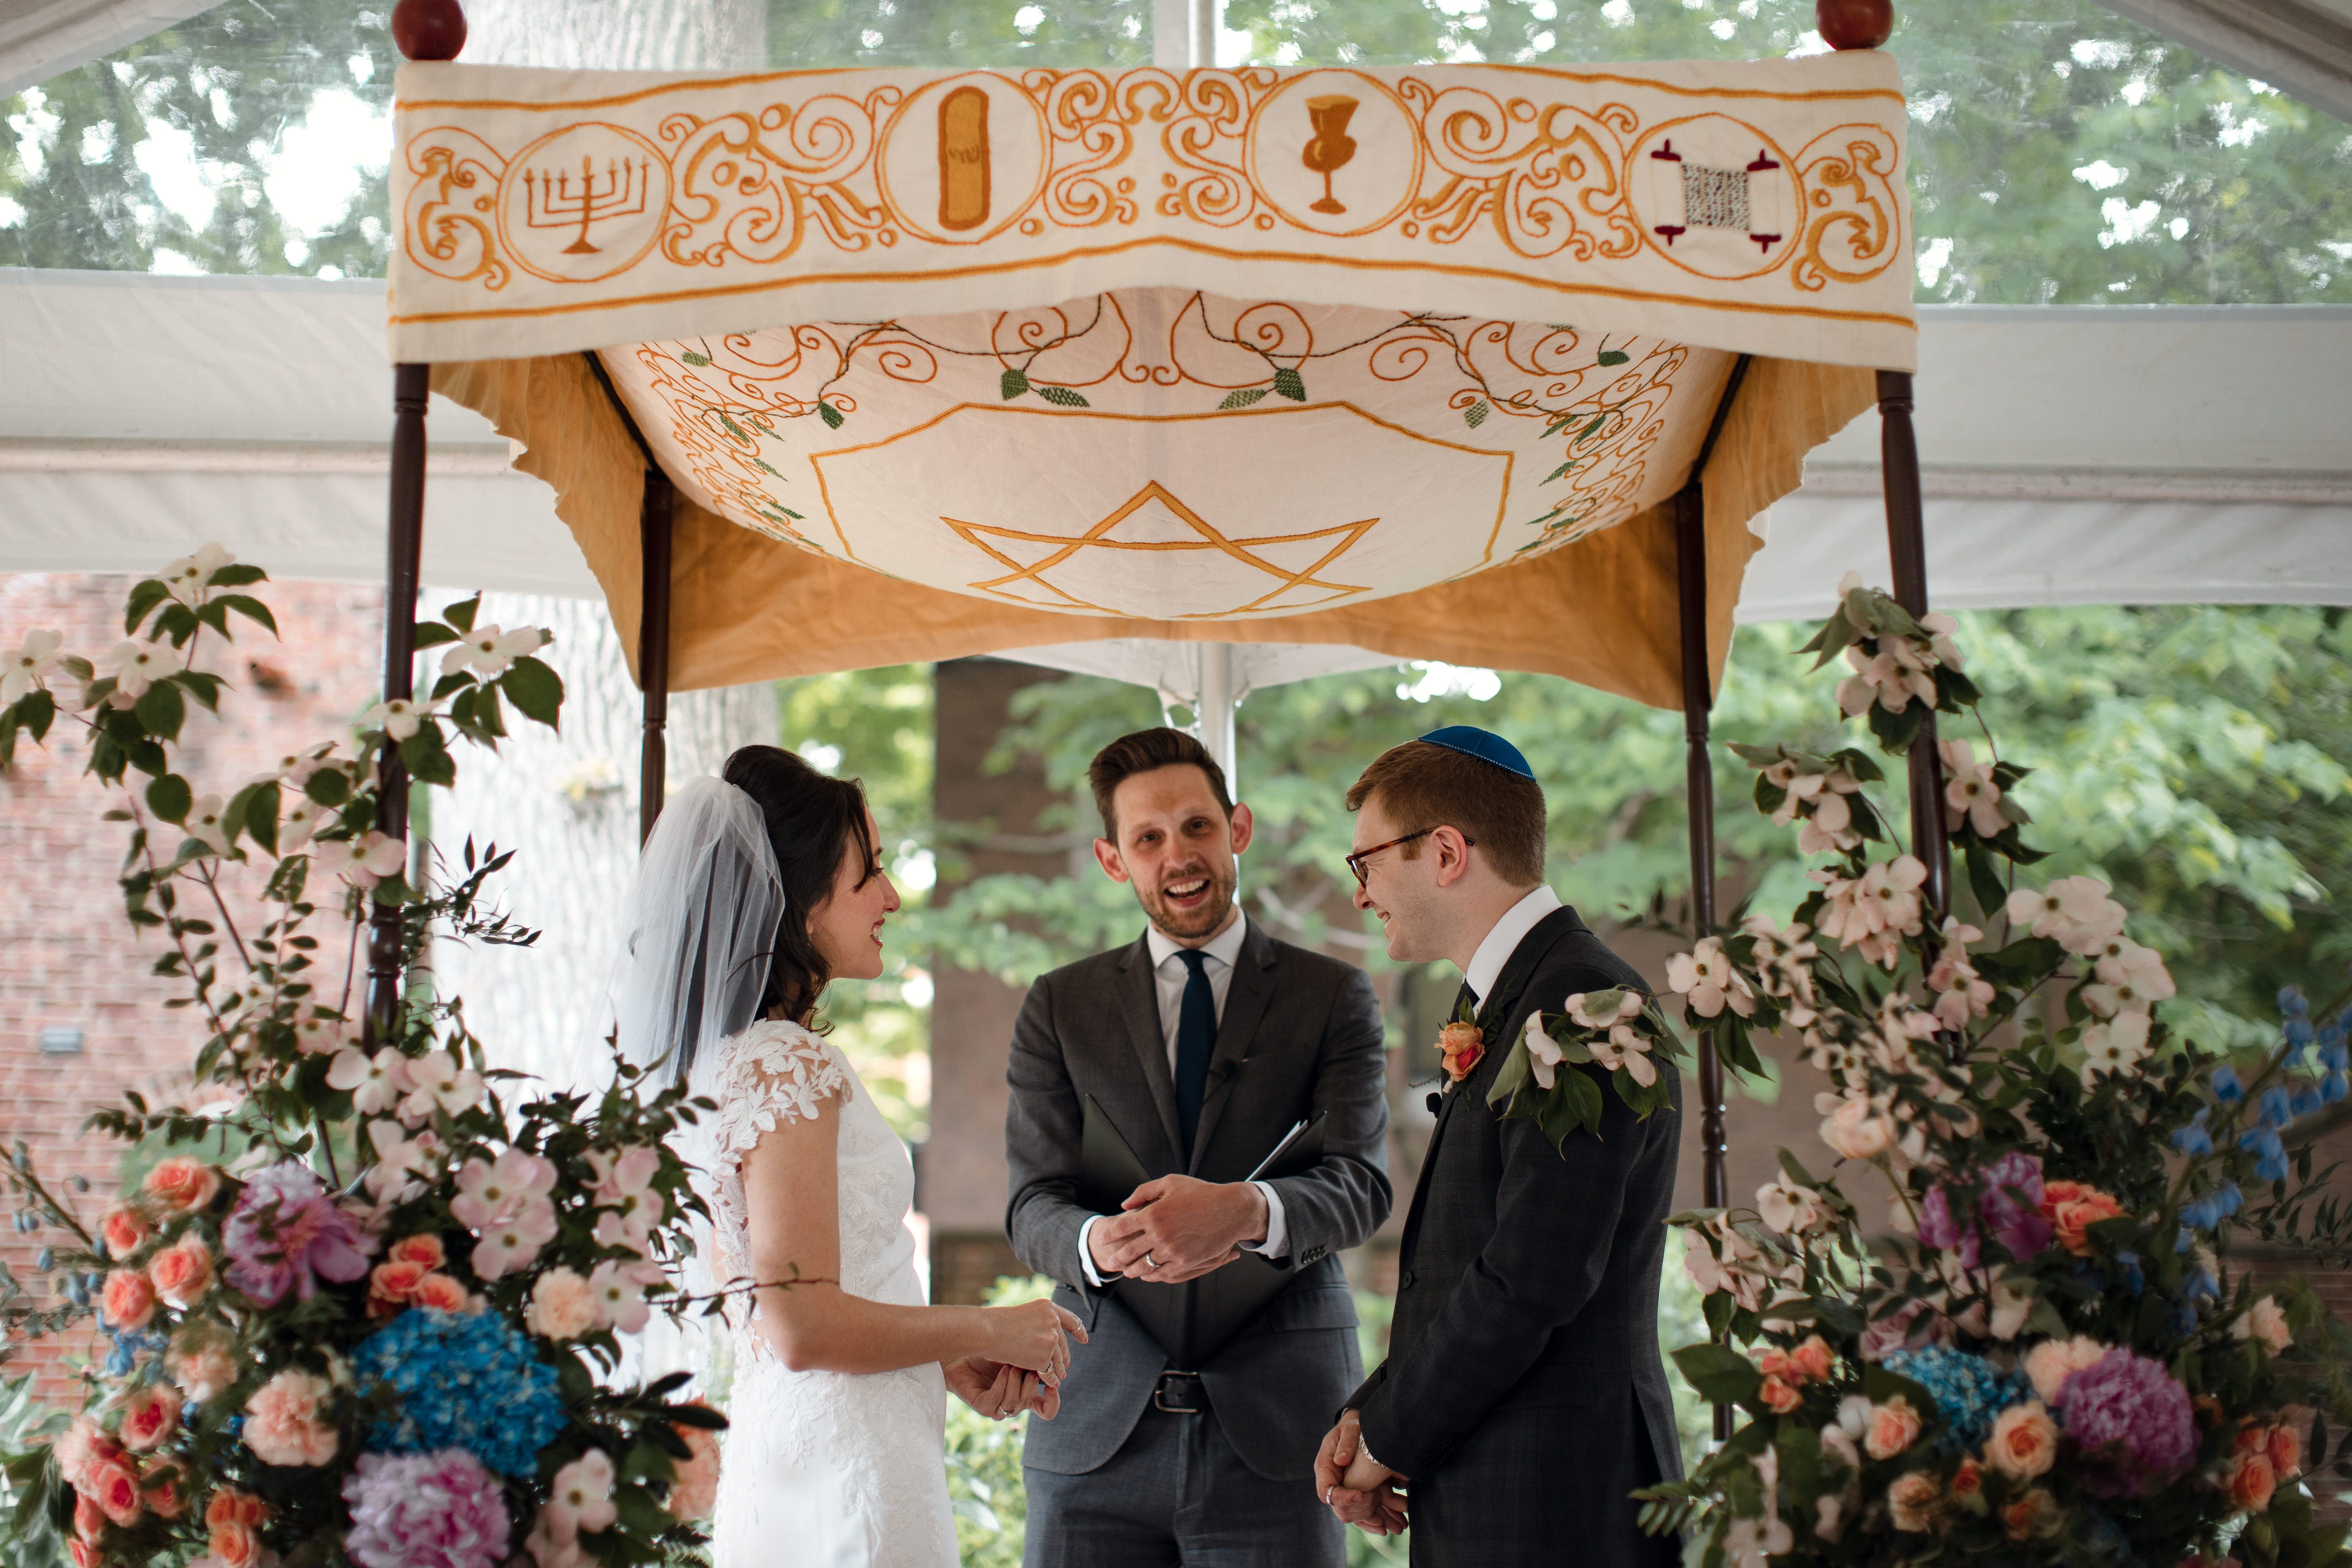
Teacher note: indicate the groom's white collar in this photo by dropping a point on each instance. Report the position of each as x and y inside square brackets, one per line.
[1486, 964]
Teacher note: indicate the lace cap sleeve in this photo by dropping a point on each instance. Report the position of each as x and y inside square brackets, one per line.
[772, 1074]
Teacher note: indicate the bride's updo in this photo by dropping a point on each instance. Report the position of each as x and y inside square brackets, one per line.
[811, 818]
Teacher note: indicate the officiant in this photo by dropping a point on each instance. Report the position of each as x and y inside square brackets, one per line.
[1191, 1417]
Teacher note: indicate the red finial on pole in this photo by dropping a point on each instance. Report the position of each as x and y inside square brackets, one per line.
[1849, 24]
[428, 29]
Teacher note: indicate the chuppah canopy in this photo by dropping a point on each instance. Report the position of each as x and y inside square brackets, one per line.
[949, 361]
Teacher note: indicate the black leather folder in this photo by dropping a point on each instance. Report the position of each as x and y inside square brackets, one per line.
[1191, 1320]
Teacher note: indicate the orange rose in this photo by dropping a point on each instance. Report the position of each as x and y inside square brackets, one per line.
[397, 1281]
[1912, 1501]
[1892, 1427]
[229, 1506]
[1780, 1396]
[2286, 1450]
[89, 1519]
[2034, 1514]
[2024, 1442]
[129, 1302]
[1967, 1485]
[165, 1485]
[423, 1249]
[2252, 1482]
[185, 1184]
[183, 1271]
[2073, 1208]
[84, 1554]
[1461, 1045]
[235, 1546]
[440, 1293]
[114, 1488]
[150, 1413]
[125, 1230]
[1813, 1359]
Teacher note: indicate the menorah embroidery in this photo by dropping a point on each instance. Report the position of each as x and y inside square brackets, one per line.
[550, 201]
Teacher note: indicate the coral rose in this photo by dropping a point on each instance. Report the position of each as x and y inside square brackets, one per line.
[81, 1446]
[1780, 1396]
[129, 1300]
[183, 1271]
[2049, 1364]
[235, 1545]
[125, 1230]
[89, 1517]
[2264, 1320]
[2286, 1450]
[694, 1486]
[185, 1184]
[113, 1486]
[396, 1282]
[165, 1485]
[424, 1250]
[2034, 1514]
[562, 1305]
[440, 1293]
[2025, 1441]
[1967, 1485]
[229, 1506]
[2252, 1482]
[201, 1360]
[150, 1413]
[1912, 1501]
[282, 1424]
[1812, 1360]
[1893, 1426]
[1461, 1045]
[2073, 1208]
[82, 1554]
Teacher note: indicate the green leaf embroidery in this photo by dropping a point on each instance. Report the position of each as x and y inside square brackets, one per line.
[1289, 384]
[1242, 398]
[732, 428]
[1475, 415]
[696, 360]
[1062, 395]
[826, 412]
[1556, 473]
[1013, 383]
[1613, 357]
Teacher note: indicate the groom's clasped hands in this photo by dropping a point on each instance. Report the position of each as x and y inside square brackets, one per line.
[1359, 1489]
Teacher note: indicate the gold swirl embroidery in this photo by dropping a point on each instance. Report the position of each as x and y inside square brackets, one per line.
[1847, 179]
[450, 226]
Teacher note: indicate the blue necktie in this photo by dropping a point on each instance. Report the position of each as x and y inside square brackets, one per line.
[1196, 1037]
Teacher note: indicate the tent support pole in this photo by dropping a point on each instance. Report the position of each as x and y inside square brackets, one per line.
[653, 648]
[411, 385]
[1906, 543]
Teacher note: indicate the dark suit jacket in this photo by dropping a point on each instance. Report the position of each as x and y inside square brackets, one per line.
[1300, 1035]
[1523, 1394]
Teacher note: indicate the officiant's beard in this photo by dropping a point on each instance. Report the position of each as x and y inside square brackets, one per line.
[1202, 920]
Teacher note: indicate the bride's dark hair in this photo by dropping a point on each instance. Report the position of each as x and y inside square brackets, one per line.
[811, 818]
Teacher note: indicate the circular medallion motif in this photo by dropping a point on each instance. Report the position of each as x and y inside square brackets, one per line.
[963, 159]
[584, 203]
[1715, 196]
[1334, 152]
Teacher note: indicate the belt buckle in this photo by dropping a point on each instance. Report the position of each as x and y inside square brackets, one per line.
[1159, 1394]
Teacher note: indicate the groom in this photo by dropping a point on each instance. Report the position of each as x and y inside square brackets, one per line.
[1523, 1397]
[1203, 1042]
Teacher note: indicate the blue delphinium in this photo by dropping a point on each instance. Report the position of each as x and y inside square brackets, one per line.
[2274, 1108]
[2194, 1138]
[2226, 1087]
[128, 1344]
[2268, 1152]
[1968, 1391]
[464, 1380]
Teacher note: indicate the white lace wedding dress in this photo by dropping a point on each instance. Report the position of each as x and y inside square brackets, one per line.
[822, 1469]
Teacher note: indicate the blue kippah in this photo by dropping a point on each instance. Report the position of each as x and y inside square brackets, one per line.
[1482, 744]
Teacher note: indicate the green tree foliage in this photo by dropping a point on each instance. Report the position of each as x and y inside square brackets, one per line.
[228, 85]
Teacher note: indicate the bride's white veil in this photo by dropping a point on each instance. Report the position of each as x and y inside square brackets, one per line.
[700, 930]
[697, 944]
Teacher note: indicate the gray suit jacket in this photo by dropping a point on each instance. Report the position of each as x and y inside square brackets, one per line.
[1300, 1035]
[1523, 1385]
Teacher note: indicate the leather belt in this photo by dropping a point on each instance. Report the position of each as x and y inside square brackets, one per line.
[1179, 1394]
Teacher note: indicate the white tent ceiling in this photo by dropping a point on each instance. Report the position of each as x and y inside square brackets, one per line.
[2102, 455]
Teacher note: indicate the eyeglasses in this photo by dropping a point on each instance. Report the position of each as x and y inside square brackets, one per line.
[1356, 861]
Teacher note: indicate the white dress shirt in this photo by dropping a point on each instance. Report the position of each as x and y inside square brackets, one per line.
[1170, 976]
[1486, 964]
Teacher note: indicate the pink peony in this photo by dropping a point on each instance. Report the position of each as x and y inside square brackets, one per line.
[284, 1235]
[282, 1424]
[2131, 1422]
[150, 1413]
[426, 1510]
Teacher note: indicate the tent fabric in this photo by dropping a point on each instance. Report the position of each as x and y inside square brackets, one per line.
[2302, 46]
[1601, 611]
[1756, 206]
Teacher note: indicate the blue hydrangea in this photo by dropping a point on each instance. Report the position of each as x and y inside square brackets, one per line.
[464, 1380]
[1968, 1391]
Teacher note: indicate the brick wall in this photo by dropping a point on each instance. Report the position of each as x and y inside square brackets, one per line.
[67, 959]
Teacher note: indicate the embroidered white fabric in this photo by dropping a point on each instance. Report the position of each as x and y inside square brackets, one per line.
[820, 1468]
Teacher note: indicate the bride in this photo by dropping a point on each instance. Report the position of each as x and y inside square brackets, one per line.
[755, 890]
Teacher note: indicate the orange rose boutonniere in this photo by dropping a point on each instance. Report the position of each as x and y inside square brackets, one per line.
[1461, 1045]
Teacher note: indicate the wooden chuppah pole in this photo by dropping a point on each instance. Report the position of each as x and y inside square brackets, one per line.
[410, 390]
[1906, 543]
[654, 518]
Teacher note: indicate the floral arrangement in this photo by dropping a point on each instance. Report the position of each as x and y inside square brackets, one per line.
[2044, 1353]
[1620, 1031]
[369, 1311]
